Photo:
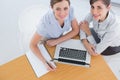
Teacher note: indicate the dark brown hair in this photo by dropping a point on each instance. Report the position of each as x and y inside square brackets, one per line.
[52, 2]
[106, 2]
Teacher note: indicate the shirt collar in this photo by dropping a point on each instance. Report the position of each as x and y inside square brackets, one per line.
[107, 20]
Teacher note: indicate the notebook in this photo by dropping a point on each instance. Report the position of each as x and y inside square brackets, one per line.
[72, 52]
[36, 64]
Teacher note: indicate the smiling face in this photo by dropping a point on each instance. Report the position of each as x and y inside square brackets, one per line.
[61, 10]
[99, 10]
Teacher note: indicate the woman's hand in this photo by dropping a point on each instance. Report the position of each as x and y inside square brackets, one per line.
[91, 49]
[85, 27]
[52, 42]
[49, 66]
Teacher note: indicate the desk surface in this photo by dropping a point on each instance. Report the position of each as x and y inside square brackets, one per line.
[20, 69]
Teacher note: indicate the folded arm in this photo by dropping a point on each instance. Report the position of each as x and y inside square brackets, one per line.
[84, 35]
[69, 35]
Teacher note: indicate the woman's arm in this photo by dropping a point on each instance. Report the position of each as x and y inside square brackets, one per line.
[33, 45]
[107, 38]
[89, 47]
[69, 35]
[84, 26]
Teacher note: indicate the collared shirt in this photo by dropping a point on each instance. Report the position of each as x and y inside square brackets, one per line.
[108, 31]
[49, 27]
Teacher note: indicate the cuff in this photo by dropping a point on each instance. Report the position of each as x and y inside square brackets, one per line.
[82, 35]
[91, 40]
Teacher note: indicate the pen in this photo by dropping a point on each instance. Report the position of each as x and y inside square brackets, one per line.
[49, 65]
[71, 61]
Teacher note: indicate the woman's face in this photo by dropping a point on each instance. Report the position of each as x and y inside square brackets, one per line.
[61, 10]
[99, 10]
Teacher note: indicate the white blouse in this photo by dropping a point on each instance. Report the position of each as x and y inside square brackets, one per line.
[49, 27]
[108, 31]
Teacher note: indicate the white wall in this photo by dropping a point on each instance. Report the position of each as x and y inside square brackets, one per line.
[9, 31]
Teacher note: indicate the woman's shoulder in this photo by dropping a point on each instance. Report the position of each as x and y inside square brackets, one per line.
[114, 18]
[47, 16]
[71, 8]
[113, 21]
[89, 18]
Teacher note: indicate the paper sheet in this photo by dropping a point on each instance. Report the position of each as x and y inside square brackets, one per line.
[36, 64]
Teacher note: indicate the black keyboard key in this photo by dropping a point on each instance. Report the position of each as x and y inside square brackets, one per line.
[72, 53]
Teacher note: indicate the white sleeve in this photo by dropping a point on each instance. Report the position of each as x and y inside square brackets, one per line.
[82, 34]
[106, 41]
[91, 40]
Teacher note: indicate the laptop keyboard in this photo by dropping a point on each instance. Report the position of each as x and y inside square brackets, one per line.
[72, 53]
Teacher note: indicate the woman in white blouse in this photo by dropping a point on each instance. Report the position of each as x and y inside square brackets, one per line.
[59, 19]
[103, 38]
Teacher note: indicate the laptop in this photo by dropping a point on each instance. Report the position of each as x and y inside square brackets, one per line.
[72, 52]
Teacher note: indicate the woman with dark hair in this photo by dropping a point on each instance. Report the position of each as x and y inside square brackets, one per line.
[103, 38]
[59, 19]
